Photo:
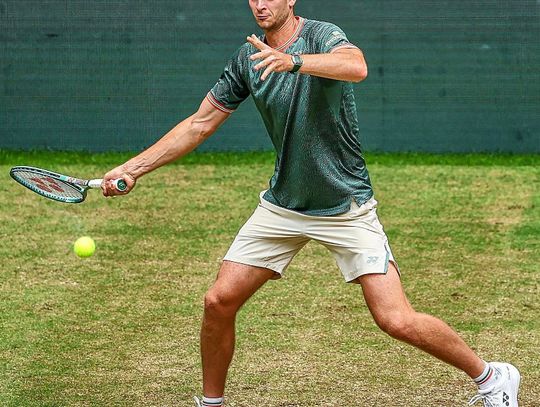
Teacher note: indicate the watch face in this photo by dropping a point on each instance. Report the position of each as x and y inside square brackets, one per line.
[297, 61]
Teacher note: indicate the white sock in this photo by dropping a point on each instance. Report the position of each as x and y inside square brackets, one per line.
[488, 378]
[212, 401]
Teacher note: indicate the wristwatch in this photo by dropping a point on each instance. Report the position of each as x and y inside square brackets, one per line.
[297, 61]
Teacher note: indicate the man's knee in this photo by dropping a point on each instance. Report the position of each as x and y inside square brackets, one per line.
[235, 284]
[399, 325]
[218, 305]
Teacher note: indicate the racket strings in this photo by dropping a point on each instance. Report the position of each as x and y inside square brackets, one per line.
[48, 186]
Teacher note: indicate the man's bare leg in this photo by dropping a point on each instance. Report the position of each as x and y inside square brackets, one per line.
[235, 284]
[393, 313]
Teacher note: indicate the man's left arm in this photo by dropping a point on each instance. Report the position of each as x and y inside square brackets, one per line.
[344, 64]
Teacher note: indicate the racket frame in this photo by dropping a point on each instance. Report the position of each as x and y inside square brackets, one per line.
[79, 185]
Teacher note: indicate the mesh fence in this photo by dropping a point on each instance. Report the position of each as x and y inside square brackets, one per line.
[449, 75]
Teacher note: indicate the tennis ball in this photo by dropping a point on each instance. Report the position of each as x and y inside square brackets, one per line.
[84, 246]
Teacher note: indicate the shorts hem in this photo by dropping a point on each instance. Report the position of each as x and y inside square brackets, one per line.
[250, 262]
[360, 273]
[357, 274]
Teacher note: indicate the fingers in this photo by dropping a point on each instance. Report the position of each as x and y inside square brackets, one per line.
[109, 184]
[272, 60]
[108, 188]
[271, 68]
[257, 43]
[267, 61]
[261, 55]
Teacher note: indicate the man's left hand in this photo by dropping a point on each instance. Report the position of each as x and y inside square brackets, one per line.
[272, 60]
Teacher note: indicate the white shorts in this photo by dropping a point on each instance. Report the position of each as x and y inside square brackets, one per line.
[273, 235]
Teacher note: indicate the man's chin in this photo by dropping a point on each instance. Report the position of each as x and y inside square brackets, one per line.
[264, 24]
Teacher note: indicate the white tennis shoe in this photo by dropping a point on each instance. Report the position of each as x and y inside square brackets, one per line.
[199, 403]
[505, 391]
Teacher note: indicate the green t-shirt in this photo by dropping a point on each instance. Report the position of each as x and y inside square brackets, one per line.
[312, 123]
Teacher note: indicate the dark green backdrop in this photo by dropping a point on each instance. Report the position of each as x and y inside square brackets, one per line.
[454, 75]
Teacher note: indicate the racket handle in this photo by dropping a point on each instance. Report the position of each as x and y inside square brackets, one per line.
[120, 184]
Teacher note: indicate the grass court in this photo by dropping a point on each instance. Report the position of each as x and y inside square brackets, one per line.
[121, 328]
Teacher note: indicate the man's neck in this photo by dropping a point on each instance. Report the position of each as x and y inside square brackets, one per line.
[279, 36]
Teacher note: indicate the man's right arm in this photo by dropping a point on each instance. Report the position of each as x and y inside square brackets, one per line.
[179, 141]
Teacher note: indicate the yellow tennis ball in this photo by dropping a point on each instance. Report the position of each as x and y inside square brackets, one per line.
[84, 246]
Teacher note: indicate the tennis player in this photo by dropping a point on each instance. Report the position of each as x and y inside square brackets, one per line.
[300, 75]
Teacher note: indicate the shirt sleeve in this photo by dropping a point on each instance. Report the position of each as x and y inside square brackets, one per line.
[331, 38]
[231, 88]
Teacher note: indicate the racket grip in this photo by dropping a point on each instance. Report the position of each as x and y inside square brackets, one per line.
[120, 184]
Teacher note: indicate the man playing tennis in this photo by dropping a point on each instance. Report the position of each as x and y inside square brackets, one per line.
[299, 75]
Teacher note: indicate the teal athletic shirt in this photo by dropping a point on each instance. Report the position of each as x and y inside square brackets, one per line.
[312, 123]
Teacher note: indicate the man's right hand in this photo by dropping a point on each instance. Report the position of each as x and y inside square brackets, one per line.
[108, 187]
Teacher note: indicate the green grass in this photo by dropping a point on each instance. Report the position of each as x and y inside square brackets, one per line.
[121, 328]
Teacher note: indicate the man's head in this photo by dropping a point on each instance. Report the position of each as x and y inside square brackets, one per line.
[270, 15]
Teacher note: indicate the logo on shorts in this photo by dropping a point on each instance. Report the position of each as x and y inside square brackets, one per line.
[372, 259]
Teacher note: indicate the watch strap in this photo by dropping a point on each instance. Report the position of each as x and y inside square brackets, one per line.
[297, 61]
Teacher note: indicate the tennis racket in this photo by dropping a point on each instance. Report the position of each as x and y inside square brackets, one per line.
[57, 186]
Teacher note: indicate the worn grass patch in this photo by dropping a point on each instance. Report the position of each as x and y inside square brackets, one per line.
[121, 328]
